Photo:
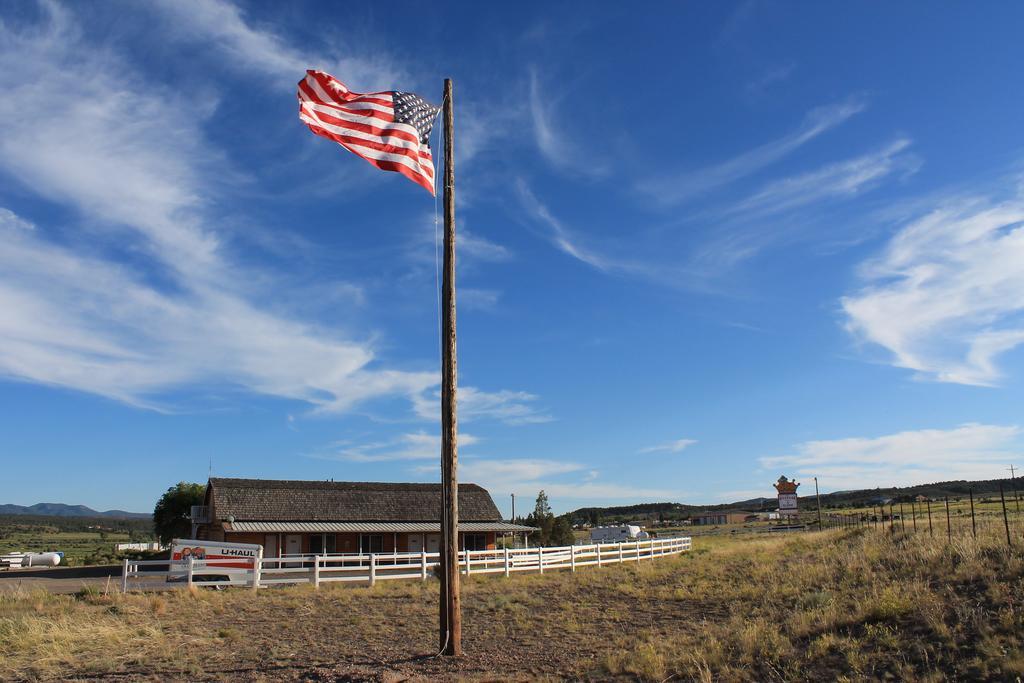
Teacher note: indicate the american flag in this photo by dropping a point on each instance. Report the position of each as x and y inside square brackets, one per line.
[391, 130]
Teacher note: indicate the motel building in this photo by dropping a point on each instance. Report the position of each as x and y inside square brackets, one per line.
[724, 517]
[325, 517]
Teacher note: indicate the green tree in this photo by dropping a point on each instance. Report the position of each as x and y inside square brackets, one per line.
[171, 516]
[561, 531]
[551, 530]
[542, 509]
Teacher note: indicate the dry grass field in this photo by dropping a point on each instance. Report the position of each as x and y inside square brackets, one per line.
[840, 605]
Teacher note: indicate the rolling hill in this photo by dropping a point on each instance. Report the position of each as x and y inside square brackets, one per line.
[836, 499]
[63, 510]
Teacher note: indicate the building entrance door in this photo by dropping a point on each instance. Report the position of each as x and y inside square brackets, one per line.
[433, 543]
[415, 543]
[270, 545]
[293, 546]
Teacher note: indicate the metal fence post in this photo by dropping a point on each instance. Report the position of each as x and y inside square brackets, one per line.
[316, 572]
[423, 564]
[931, 532]
[949, 527]
[1006, 522]
[974, 525]
[373, 569]
[191, 562]
[124, 577]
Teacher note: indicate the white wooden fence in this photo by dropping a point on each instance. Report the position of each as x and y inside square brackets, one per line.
[374, 567]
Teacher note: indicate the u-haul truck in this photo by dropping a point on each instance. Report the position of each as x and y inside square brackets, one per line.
[215, 560]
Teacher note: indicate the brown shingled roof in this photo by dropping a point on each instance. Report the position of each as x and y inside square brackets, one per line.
[268, 500]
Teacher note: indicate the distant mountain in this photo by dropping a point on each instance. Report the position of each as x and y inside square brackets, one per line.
[62, 510]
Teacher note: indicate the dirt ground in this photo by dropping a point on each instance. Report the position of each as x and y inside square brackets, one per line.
[396, 637]
[847, 605]
[387, 633]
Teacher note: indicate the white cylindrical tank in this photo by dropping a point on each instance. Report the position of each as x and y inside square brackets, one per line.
[42, 559]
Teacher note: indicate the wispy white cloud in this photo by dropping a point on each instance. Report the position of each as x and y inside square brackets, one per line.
[11, 221]
[478, 247]
[946, 295]
[553, 142]
[564, 239]
[510, 407]
[739, 20]
[140, 172]
[659, 266]
[424, 246]
[774, 75]
[475, 252]
[676, 446]
[97, 326]
[671, 189]
[479, 299]
[519, 469]
[742, 235]
[413, 446]
[593, 492]
[970, 451]
[181, 312]
[485, 124]
[561, 480]
[841, 179]
[221, 26]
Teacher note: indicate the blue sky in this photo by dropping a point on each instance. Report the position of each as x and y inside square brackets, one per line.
[702, 245]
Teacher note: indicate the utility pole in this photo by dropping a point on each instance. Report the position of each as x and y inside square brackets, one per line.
[451, 602]
[817, 498]
[513, 518]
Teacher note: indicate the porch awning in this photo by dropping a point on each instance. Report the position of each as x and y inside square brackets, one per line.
[369, 527]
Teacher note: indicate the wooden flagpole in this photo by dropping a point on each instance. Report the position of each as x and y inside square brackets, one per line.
[451, 604]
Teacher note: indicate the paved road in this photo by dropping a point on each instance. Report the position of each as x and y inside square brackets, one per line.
[61, 579]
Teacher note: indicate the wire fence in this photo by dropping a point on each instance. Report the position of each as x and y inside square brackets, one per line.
[957, 516]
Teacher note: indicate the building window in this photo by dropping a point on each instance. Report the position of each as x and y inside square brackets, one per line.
[320, 544]
[371, 543]
[474, 541]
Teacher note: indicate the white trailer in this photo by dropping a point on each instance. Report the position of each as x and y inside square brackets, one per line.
[618, 534]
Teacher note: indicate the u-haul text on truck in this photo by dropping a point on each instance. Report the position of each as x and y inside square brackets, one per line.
[216, 560]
